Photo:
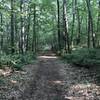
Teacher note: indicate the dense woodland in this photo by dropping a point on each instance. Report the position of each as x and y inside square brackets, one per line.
[70, 28]
[49, 49]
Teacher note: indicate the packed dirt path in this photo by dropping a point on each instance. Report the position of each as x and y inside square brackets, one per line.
[47, 82]
[56, 80]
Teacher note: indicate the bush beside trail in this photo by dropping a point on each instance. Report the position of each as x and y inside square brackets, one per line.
[84, 57]
[16, 61]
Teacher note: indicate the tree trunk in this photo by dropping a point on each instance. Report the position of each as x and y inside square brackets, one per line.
[73, 22]
[34, 44]
[22, 28]
[79, 23]
[65, 20]
[12, 27]
[59, 35]
[98, 25]
[1, 31]
[90, 25]
[98, 20]
[28, 30]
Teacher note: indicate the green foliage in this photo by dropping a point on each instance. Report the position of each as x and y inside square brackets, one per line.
[2, 81]
[16, 61]
[84, 57]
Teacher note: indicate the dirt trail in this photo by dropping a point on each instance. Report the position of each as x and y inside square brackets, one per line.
[55, 80]
[47, 82]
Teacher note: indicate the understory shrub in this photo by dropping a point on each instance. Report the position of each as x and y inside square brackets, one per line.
[16, 61]
[84, 57]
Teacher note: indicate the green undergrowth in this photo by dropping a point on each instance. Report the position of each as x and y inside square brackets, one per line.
[84, 57]
[16, 61]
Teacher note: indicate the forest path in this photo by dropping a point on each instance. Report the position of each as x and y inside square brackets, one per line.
[55, 80]
[47, 84]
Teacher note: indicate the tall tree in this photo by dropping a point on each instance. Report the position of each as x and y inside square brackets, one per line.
[12, 26]
[28, 28]
[90, 25]
[1, 30]
[59, 35]
[34, 43]
[22, 48]
[65, 20]
[98, 19]
[73, 21]
[79, 22]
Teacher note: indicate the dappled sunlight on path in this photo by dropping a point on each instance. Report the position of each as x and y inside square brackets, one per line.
[48, 57]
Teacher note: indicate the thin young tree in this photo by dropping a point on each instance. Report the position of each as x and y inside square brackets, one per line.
[1, 30]
[12, 26]
[28, 28]
[34, 43]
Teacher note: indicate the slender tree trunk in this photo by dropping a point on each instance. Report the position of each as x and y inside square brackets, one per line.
[88, 32]
[90, 25]
[98, 20]
[12, 27]
[65, 20]
[17, 33]
[79, 23]
[28, 31]
[59, 35]
[34, 31]
[22, 28]
[73, 22]
[98, 25]
[1, 31]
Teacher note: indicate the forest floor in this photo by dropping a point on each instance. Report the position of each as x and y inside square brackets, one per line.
[50, 79]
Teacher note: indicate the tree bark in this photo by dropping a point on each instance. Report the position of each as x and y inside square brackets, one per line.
[98, 19]
[73, 22]
[79, 23]
[22, 48]
[59, 35]
[34, 44]
[1, 31]
[90, 25]
[65, 20]
[28, 30]
[12, 26]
